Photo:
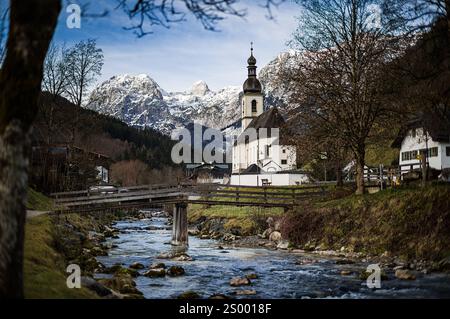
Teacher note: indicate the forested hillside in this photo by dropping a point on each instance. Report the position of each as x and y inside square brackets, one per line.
[134, 155]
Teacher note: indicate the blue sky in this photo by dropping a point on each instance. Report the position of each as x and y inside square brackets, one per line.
[185, 53]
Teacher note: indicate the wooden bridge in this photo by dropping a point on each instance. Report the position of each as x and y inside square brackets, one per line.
[181, 195]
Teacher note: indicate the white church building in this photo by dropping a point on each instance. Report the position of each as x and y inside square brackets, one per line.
[259, 158]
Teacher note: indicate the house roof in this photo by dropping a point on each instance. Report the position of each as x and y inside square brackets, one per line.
[438, 127]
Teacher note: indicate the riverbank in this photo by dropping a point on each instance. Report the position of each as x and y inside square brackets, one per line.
[405, 227]
[52, 242]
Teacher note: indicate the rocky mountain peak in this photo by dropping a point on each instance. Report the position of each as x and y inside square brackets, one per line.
[200, 88]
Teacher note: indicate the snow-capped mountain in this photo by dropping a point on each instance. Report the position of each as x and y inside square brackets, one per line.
[138, 100]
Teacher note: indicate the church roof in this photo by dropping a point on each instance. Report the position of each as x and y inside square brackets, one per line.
[268, 119]
[252, 85]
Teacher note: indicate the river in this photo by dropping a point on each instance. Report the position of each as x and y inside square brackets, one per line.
[280, 273]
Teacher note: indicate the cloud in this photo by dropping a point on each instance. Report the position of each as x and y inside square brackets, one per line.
[185, 53]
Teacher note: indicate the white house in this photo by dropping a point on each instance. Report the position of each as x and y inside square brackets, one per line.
[427, 133]
[261, 159]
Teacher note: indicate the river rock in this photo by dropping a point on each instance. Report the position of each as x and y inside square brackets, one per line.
[95, 286]
[183, 257]
[175, 271]
[245, 292]
[189, 295]
[155, 272]
[267, 233]
[284, 244]
[219, 297]
[275, 236]
[123, 284]
[238, 281]
[193, 232]
[229, 237]
[117, 269]
[346, 272]
[277, 225]
[98, 251]
[404, 274]
[306, 261]
[137, 265]
[344, 262]
[157, 266]
[251, 276]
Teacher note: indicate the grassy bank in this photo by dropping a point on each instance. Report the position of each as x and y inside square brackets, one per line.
[413, 223]
[38, 201]
[44, 267]
[248, 219]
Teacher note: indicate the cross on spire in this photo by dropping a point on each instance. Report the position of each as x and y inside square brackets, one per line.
[251, 47]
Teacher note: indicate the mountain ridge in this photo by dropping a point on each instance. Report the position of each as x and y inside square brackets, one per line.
[139, 101]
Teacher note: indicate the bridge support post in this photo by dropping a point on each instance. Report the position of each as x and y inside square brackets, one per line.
[180, 225]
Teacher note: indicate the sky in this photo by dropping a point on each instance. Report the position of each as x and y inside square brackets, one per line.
[177, 57]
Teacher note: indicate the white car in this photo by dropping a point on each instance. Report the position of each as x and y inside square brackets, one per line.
[104, 189]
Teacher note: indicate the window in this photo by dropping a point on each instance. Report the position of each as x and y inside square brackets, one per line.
[414, 155]
[283, 162]
[413, 133]
[433, 152]
[447, 150]
[409, 156]
[254, 104]
[284, 151]
[267, 150]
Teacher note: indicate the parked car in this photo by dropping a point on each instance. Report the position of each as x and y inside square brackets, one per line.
[103, 189]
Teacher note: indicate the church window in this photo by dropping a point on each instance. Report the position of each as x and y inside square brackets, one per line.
[283, 162]
[254, 104]
[267, 150]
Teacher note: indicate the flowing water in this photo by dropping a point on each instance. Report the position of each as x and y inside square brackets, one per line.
[280, 274]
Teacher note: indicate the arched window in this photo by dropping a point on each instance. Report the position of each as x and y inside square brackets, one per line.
[254, 104]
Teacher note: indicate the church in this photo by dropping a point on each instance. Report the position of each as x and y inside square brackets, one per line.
[261, 159]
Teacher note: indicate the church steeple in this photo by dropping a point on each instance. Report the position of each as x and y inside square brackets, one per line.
[252, 84]
[253, 99]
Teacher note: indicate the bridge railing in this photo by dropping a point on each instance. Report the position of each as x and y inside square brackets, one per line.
[211, 194]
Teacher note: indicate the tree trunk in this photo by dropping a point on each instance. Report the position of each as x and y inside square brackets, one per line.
[360, 163]
[424, 165]
[339, 180]
[31, 28]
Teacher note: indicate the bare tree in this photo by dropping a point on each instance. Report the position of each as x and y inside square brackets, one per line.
[55, 71]
[31, 27]
[340, 70]
[84, 63]
[149, 13]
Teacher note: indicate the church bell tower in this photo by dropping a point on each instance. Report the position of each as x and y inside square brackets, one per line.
[253, 100]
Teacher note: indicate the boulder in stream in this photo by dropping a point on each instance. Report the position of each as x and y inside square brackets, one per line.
[175, 271]
[239, 281]
[405, 274]
[189, 295]
[137, 265]
[156, 272]
[275, 236]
